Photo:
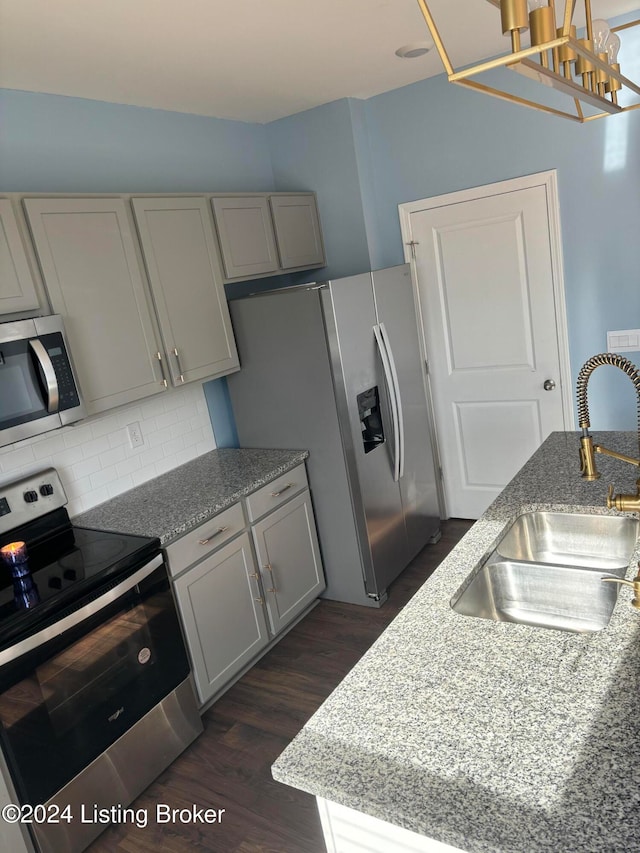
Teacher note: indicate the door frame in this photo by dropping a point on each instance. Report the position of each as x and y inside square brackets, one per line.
[549, 181]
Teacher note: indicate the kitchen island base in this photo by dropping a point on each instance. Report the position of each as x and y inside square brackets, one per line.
[348, 831]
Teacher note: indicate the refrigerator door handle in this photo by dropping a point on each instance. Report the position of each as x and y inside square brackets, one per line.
[396, 392]
[386, 366]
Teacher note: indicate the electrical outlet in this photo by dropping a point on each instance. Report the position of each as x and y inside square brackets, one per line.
[135, 435]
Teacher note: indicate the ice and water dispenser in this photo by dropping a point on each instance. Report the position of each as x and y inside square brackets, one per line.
[370, 419]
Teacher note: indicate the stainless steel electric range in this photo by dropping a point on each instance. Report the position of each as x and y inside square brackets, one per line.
[96, 696]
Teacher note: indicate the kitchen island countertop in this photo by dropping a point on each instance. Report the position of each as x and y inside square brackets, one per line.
[174, 503]
[492, 737]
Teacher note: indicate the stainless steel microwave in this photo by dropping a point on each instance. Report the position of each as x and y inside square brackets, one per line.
[38, 387]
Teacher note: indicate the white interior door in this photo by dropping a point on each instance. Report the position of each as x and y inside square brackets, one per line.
[489, 277]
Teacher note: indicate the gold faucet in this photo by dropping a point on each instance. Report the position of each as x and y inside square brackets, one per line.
[635, 583]
[624, 503]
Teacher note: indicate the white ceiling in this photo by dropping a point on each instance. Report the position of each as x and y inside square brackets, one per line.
[251, 60]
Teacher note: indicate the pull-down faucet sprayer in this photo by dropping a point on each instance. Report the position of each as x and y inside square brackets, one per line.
[625, 503]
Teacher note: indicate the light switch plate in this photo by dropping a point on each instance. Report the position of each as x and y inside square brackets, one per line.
[625, 340]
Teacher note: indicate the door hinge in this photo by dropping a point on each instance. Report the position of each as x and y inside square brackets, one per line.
[413, 244]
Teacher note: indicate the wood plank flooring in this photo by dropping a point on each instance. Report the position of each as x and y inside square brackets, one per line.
[228, 766]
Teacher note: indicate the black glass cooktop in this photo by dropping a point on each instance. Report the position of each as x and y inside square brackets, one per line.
[67, 564]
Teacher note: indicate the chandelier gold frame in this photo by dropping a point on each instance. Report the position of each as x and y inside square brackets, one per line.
[548, 61]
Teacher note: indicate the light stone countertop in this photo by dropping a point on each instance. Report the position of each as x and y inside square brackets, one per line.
[174, 503]
[492, 736]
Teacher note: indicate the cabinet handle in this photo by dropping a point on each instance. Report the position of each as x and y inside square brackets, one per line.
[259, 600]
[213, 536]
[164, 378]
[267, 567]
[180, 373]
[283, 489]
[273, 589]
[255, 576]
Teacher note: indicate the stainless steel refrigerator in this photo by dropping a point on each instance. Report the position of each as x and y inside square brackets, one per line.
[336, 368]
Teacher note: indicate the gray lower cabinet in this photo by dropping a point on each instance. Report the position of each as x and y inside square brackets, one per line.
[233, 607]
[287, 549]
[220, 603]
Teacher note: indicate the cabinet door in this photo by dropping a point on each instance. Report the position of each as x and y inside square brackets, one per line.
[88, 258]
[181, 257]
[222, 615]
[247, 241]
[287, 547]
[297, 227]
[17, 289]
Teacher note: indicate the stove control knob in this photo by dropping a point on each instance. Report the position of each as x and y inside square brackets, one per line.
[55, 582]
[46, 490]
[31, 496]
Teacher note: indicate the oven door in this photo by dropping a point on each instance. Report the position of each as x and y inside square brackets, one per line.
[71, 690]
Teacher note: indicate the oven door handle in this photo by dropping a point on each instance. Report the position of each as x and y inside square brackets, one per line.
[52, 631]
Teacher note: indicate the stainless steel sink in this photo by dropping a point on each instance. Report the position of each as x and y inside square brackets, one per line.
[547, 570]
[571, 539]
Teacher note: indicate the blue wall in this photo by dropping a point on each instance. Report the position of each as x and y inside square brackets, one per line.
[431, 138]
[316, 150]
[363, 158]
[50, 143]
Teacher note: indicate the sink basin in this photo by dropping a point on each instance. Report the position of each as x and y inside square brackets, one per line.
[547, 570]
[571, 539]
[567, 598]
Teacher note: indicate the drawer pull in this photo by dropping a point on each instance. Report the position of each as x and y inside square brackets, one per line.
[213, 536]
[259, 600]
[273, 589]
[283, 489]
[267, 567]
[255, 576]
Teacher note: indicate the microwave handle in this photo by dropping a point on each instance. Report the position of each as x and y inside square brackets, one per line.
[62, 625]
[53, 398]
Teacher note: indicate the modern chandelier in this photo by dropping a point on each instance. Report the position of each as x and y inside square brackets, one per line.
[586, 69]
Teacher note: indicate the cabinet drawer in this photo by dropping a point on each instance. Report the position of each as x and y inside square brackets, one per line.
[276, 492]
[205, 538]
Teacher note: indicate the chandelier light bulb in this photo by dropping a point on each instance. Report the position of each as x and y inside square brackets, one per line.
[613, 46]
[601, 34]
[536, 4]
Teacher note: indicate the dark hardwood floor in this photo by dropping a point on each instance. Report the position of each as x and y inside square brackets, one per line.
[228, 766]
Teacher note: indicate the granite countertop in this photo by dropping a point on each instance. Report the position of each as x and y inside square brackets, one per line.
[492, 736]
[173, 503]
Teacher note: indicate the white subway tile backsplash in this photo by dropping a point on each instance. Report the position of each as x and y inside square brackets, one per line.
[94, 459]
[76, 435]
[85, 468]
[95, 446]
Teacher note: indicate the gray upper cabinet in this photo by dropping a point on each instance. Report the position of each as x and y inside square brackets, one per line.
[297, 227]
[89, 261]
[181, 257]
[17, 288]
[247, 241]
[267, 234]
